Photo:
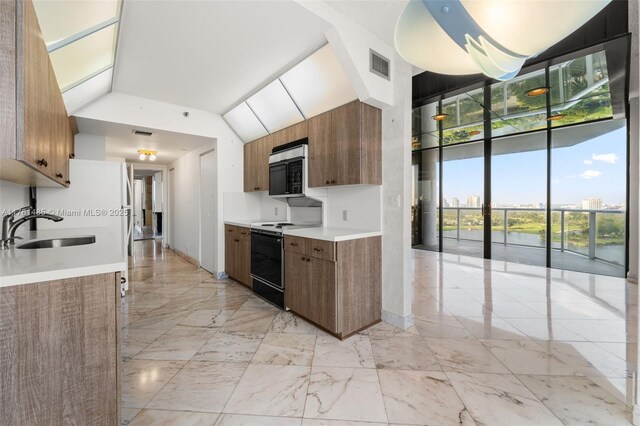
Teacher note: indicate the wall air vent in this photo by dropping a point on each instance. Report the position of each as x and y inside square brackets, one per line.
[141, 133]
[379, 65]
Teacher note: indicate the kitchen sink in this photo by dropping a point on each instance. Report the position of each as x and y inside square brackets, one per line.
[58, 242]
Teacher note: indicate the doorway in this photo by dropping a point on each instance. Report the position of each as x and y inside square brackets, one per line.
[148, 204]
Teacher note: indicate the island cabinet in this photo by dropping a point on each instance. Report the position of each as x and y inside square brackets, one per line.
[60, 360]
[336, 285]
[345, 146]
[36, 137]
[237, 258]
[256, 164]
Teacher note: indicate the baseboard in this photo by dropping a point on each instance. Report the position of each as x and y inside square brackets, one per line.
[635, 415]
[222, 275]
[398, 321]
[633, 279]
[186, 257]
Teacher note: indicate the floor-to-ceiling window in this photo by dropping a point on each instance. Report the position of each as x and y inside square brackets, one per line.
[531, 170]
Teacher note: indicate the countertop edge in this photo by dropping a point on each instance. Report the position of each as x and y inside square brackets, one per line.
[241, 223]
[62, 274]
[350, 235]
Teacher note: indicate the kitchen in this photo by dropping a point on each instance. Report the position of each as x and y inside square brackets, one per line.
[299, 173]
[283, 288]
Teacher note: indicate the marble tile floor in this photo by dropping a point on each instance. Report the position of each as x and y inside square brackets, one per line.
[493, 344]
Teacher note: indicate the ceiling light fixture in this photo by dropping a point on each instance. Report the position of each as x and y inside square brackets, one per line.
[461, 37]
[144, 153]
[537, 91]
[440, 117]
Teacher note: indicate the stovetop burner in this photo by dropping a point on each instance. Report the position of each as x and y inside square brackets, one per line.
[277, 226]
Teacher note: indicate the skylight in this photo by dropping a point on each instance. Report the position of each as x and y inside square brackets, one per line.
[81, 39]
[315, 85]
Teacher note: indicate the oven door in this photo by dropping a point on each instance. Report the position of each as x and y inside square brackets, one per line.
[278, 179]
[266, 259]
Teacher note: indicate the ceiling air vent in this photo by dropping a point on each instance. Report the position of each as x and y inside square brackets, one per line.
[141, 133]
[378, 64]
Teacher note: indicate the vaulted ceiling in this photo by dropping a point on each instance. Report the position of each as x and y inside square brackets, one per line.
[210, 54]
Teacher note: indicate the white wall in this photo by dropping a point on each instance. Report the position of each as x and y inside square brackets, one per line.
[89, 147]
[186, 202]
[157, 192]
[351, 43]
[12, 196]
[362, 204]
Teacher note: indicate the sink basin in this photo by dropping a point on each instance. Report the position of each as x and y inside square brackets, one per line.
[59, 242]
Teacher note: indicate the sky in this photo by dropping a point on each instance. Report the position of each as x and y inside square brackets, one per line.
[592, 169]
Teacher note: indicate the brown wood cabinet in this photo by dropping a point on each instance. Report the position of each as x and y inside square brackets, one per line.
[256, 155]
[35, 132]
[256, 164]
[345, 146]
[336, 285]
[60, 358]
[237, 257]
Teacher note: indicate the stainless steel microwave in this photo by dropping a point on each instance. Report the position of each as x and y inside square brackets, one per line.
[288, 170]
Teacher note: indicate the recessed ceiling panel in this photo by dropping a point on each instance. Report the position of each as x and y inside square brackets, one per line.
[245, 123]
[319, 83]
[62, 19]
[274, 107]
[85, 57]
[83, 93]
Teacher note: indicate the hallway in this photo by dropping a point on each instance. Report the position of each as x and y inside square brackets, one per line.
[494, 343]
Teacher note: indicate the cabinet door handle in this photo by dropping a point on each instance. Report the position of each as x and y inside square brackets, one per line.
[302, 258]
[59, 175]
[308, 259]
[333, 181]
[236, 240]
[317, 249]
[42, 162]
[327, 182]
[293, 244]
[68, 182]
[72, 156]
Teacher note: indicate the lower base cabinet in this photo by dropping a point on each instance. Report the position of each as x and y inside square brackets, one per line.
[237, 258]
[60, 358]
[337, 286]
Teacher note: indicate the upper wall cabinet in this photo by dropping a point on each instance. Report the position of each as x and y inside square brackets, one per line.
[290, 134]
[35, 134]
[345, 146]
[256, 164]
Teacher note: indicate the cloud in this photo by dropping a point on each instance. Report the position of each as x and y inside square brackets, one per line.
[590, 174]
[588, 162]
[606, 158]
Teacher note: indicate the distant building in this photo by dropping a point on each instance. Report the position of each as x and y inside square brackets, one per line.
[592, 204]
[455, 202]
[446, 203]
[474, 201]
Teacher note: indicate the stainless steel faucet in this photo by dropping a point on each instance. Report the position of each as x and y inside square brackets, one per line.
[9, 225]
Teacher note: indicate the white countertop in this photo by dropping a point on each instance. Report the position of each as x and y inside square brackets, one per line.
[244, 223]
[24, 266]
[330, 233]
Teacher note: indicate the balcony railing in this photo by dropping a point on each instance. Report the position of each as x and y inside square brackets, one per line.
[596, 234]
